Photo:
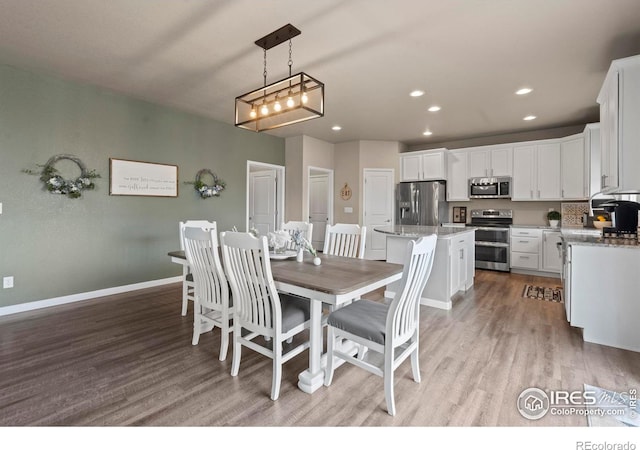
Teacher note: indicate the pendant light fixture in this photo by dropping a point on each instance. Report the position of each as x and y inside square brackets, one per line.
[291, 100]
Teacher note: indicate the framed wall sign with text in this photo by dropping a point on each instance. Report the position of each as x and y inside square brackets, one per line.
[142, 178]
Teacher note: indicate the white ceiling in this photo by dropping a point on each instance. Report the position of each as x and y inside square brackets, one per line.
[468, 55]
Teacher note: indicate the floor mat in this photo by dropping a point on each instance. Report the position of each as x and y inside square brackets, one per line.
[543, 293]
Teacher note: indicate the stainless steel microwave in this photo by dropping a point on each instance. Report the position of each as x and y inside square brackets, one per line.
[498, 187]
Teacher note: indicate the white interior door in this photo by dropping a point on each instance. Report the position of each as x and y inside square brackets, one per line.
[318, 207]
[378, 210]
[262, 201]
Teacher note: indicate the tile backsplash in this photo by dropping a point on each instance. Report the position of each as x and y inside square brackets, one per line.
[572, 213]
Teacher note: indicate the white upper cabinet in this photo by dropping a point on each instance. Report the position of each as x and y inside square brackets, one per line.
[524, 173]
[423, 165]
[619, 130]
[548, 168]
[410, 167]
[574, 164]
[457, 176]
[536, 172]
[490, 161]
[592, 149]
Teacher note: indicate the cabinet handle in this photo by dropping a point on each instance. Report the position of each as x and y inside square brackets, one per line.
[524, 257]
[604, 180]
[531, 194]
[563, 193]
[461, 253]
[524, 242]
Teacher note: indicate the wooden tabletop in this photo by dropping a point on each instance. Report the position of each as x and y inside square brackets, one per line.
[336, 275]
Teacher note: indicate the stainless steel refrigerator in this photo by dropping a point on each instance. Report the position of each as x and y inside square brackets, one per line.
[421, 203]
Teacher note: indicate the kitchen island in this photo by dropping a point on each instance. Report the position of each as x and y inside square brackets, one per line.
[453, 266]
[601, 279]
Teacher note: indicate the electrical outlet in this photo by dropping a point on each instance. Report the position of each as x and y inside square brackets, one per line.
[551, 209]
[348, 209]
[7, 282]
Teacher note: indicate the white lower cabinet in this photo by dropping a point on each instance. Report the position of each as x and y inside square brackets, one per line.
[551, 256]
[462, 248]
[525, 248]
[535, 249]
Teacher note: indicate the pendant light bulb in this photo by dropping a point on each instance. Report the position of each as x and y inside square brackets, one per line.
[290, 101]
[277, 106]
[253, 114]
[264, 110]
[304, 98]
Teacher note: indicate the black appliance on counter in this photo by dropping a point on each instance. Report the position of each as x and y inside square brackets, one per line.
[492, 238]
[624, 219]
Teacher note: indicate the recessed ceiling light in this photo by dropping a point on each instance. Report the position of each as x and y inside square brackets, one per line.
[428, 133]
[336, 128]
[416, 93]
[434, 108]
[523, 91]
[529, 118]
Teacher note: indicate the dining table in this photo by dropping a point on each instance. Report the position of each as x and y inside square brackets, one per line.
[336, 281]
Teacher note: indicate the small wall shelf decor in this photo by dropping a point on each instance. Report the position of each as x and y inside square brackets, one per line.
[56, 184]
[142, 178]
[205, 190]
[345, 192]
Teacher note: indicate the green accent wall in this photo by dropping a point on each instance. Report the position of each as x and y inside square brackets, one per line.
[56, 246]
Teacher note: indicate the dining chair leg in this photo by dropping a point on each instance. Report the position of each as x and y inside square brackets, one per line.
[224, 337]
[185, 290]
[237, 350]
[328, 373]
[277, 369]
[388, 383]
[197, 324]
[415, 365]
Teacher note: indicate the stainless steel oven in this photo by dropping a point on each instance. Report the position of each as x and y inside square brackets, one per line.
[492, 238]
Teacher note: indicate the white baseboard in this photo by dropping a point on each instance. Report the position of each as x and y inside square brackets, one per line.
[46, 303]
[440, 304]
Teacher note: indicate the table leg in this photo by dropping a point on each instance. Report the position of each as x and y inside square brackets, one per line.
[313, 378]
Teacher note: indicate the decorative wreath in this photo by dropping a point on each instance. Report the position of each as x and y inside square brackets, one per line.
[56, 184]
[207, 190]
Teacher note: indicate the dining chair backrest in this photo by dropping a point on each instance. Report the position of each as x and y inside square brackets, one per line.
[193, 223]
[390, 330]
[212, 303]
[403, 315]
[260, 310]
[247, 264]
[345, 239]
[201, 250]
[305, 229]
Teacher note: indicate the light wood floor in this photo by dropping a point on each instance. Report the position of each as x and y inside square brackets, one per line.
[128, 360]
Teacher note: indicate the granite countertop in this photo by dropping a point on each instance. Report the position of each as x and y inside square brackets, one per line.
[599, 241]
[538, 227]
[418, 230]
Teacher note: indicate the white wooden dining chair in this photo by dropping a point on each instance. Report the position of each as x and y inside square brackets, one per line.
[212, 304]
[389, 331]
[187, 277]
[345, 239]
[260, 309]
[292, 226]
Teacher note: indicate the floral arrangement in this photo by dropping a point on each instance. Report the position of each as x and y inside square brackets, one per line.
[302, 242]
[279, 240]
[206, 190]
[56, 184]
